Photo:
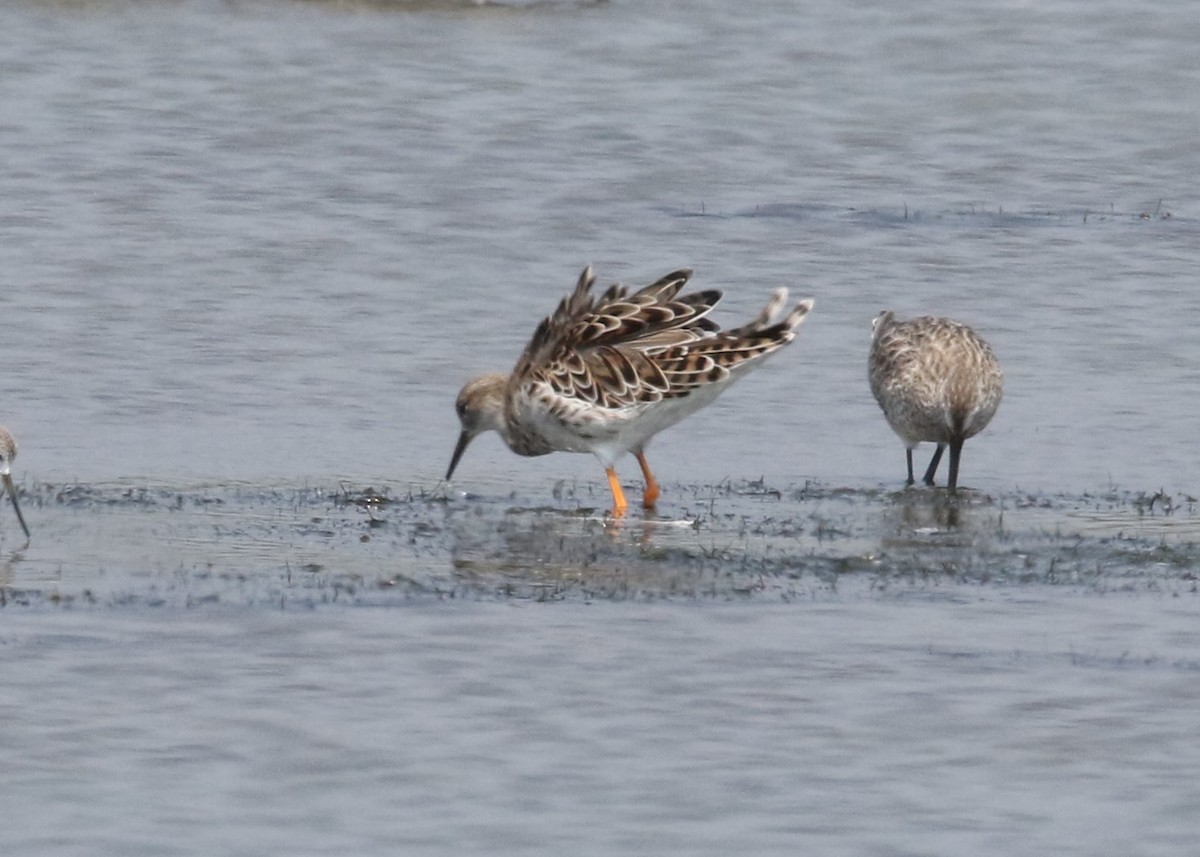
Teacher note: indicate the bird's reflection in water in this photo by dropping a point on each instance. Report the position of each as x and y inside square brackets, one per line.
[7, 566]
[927, 512]
[547, 549]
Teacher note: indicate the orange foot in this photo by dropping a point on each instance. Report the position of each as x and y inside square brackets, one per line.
[652, 493]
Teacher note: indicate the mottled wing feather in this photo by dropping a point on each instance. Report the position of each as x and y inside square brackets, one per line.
[714, 358]
[581, 322]
[698, 358]
[624, 319]
[596, 350]
[711, 361]
[627, 351]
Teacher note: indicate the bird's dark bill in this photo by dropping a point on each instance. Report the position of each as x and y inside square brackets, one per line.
[459, 449]
[12, 493]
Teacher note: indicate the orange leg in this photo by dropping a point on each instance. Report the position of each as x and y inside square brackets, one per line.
[652, 493]
[619, 504]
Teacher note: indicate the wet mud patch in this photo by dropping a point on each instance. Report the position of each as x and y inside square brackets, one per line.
[299, 546]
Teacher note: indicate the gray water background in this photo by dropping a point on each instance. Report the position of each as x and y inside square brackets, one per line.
[260, 240]
[256, 242]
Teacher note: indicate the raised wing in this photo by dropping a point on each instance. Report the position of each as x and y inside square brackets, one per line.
[716, 358]
[605, 350]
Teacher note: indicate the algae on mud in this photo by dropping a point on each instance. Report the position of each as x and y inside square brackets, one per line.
[283, 546]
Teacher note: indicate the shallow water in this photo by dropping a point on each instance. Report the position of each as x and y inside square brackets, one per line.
[353, 669]
[991, 723]
[264, 240]
[252, 250]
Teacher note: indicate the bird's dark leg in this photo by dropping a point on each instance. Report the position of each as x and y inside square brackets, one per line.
[931, 471]
[955, 452]
[908, 455]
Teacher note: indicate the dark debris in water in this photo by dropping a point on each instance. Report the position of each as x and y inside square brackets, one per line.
[297, 546]
[968, 214]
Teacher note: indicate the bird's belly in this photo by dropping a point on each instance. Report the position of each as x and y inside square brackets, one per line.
[606, 433]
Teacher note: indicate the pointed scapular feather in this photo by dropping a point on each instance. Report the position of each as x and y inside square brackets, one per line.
[629, 348]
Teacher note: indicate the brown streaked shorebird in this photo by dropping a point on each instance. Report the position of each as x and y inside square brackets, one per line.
[8, 451]
[936, 380]
[605, 374]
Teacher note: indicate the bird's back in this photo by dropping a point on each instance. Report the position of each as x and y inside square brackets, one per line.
[620, 367]
[934, 378]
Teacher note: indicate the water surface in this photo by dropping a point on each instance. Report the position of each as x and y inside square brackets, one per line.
[252, 249]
